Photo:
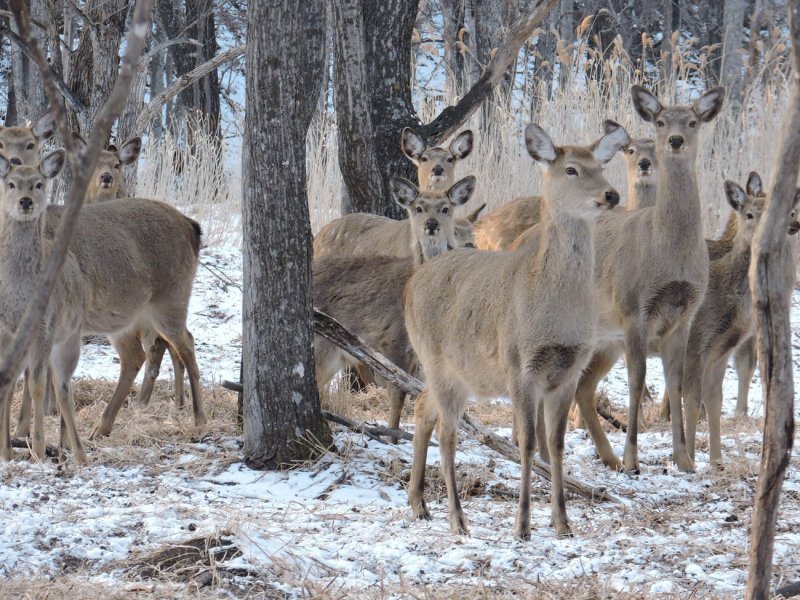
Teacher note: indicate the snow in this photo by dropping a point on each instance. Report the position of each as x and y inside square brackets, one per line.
[344, 521]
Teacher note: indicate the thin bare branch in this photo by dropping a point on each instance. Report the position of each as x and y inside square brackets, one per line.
[156, 104]
[164, 45]
[82, 166]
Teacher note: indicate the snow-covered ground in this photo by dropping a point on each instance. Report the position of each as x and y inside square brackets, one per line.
[341, 527]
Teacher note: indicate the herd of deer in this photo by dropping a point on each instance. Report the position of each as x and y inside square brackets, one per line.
[128, 275]
[558, 289]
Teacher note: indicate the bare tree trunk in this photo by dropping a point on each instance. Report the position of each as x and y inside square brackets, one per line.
[282, 418]
[732, 63]
[667, 11]
[157, 80]
[771, 283]
[456, 43]
[28, 92]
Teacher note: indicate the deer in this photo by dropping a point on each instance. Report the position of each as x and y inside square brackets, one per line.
[57, 343]
[509, 227]
[107, 177]
[530, 318]
[365, 293]
[21, 145]
[655, 291]
[724, 319]
[362, 234]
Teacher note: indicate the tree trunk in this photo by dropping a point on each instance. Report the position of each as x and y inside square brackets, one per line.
[732, 64]
[456, 42]
[28, 98]
[771, 283]
[282, 418]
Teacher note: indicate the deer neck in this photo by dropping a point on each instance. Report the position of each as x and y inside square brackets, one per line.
[566, 252]
[678, 217]
[436, 186]
[641, 195]
[21, 257]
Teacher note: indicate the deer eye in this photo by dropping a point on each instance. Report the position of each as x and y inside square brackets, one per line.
[572, 171]
[659, 123]
[630, 150]
[692, 124]
[11, 185]
[31, 146]
[117, 166]
[423, 159]
[445, 210]
[39, 185]
[749, 216]
[450, 159]
[419, 210]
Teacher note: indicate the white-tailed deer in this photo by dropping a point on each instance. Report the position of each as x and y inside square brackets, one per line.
[366, 293]
[655, 290]
[57, 345]
[21, 145]
[107, 177]
[724, 319]
[510, 226]
[519, 324]
[361, 234]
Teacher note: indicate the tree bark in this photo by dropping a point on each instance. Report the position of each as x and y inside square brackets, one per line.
[732, 64]
[456, 42]
[771, 284]
[283, 422]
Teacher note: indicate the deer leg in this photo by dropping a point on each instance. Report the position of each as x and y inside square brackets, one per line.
[6, 453]
[65, 358]
[745, 361]
[694, 368]
[426, 414]
[397, 398]
[180, 373]
[183, 344]
[673, 353]
[24, 419]
[155, 346]
[131, 359]
[712, 397]
[556, 411]
[38, 385]
[636, 352]
[601, 363]
[525, 408]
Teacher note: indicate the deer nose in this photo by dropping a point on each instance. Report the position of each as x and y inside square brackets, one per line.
[431, 225]
[612, 197]
[16, 161]
[106, 178]
[644, 164]
[438, 170]
[26, 203]
[676, 141]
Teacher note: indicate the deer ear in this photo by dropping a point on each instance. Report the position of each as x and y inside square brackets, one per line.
[735, 194]
[45, 126]
[462, 190]
[5, 167]
[52, 164]
[754, 185]
[473, 216]
[645, 103]
[129, 151]
[403, 191]
[709, 104]
[615, 139]
[412, 145]
[539, 145]
[462, 145]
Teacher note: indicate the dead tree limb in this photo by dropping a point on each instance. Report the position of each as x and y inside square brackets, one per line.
[772, 273]
[156, 104]
[82, 165]
[452, 117]
[331, 329]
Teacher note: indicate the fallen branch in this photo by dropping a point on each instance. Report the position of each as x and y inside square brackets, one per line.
[370, 430]
[615, 422]
[789, 591]
[49, 451]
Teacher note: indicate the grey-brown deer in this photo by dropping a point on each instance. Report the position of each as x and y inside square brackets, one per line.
[366, 293]
[57, 344]
[361, 234]
[656, 290]
[107, 178]
[529, 318]
[21, 145]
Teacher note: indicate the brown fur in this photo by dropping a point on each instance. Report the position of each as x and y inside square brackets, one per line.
[21, 145]
[529, 320]
[107, 177]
